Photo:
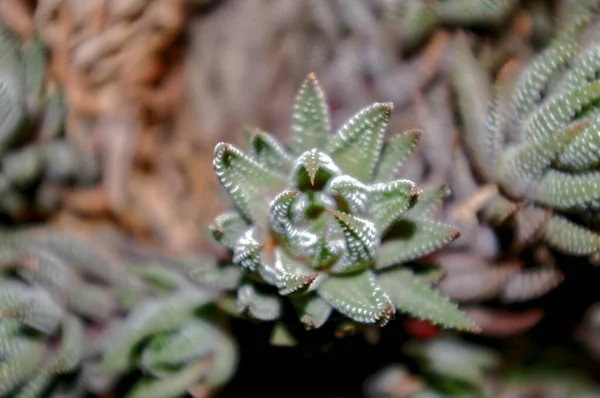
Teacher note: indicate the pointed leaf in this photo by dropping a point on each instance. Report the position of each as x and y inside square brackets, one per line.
[313, 167]
[390, 201]
[313, 310]
[258, 305]
[361, 243]
[248, 183]
[34, 63]
[281, 336]
[20, 365]
[566, 191]
[357, 145]
[583, 152]
[411, 239]
[395, 152]
[228, 228]
[429, 201]
[247, 251]
[291, 275]
[415, 296]
[570, 238]
[353, 192]
[310, 119]
[72, 347]
[358, 296]
[269, 153]
[530, 222]
[530, 284]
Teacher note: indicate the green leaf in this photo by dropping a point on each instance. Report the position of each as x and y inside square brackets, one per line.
[566, 191]
[395, 152]
[226, 276]
[415, 296]
[35, 386]
[291, 275]
[312, 309]
[411, 239]
[472, 87]
[228, 228]
[535, 78]
[428, 202]
[357, 145]
[583, 152]
[151, 317]
[390, 201]
[192, 341]
[474, 12]
[313, 167]
[34, 64]
[361, 240]
[557, 112]
[352, 191]
[176, 385]
[269, 153]
[358, 296]
[11, 90]
[248, 183]
[247, 252]
[71, 349]
[310, 119]
[258, 305]
[570, 238]
[20, 365]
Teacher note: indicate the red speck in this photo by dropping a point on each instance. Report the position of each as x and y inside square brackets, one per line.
[420, 329]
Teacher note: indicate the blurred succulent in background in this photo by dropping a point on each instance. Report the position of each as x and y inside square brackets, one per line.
[326, 223]
[537, 140]
[36, 159]
[450, 367]
[172, 334]
[72, 321]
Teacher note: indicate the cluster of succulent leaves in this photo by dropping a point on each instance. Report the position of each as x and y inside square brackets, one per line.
[36, 158]
[538, 139]
[451, 367]
[326, 224]
[73, 322]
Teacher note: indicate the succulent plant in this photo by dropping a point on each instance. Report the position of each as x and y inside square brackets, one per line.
[172, 333]
[36, 160]
[537, 140]
[54, 291]
[325, 223]
[71, 318]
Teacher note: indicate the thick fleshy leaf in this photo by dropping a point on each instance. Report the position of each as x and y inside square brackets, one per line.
[583, 152]
[33, 307]
[556, 113]
[388, 202]
[535, 77]
[474, 12]
[11, 90]
[310, 120]
[429, 201]
[34, 64]
[472, 87]
[151, 317]
[247, 251]
[313, 310]
[395, 152]
[566, 191]
[228, 228]
[248, 183]
[193, 341]
[72, 347]
[258, 305]
[291, 275]
[354, 192]
[176, 385]
[530, 222]
[410, 239]
[281, 336]
[220, 276]
[357, 145]
[269, 153]
[415, 296]
[530, 284]
[313, 167]
[358, 296]
[568, 237]
[20, 365]
[361, 240]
